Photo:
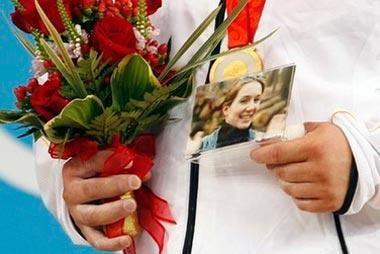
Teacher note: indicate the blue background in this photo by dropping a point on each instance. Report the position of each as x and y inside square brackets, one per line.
[25, 224]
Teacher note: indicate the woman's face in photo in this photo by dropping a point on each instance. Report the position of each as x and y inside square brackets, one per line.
[246, 103]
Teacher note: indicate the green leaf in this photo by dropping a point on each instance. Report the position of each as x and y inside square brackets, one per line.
[78, 114]
[20, 37]
[190, 67]
[27, 120]
[207, 48]
[79, 86]
[28, 132]
[131, 80]
[190, 41]
[219, 33]
[91, 67]
[63, 69]
[67, 92]
[105, 126]
[30, 119]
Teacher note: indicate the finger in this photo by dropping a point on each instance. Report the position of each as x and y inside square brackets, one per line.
[281, 152]
[295, 172]
[316, 205]
[101, 242]
[85, 169]
[99, 215]
[84, 191]
[302, 190]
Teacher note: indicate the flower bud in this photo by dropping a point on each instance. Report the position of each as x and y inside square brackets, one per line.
[153, 59]
[163, 49]
[20, 93]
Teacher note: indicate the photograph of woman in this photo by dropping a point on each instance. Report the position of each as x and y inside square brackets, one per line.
[249, 108]
[238, 108]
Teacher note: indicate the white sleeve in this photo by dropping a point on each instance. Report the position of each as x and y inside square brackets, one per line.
[49, 179]
[364, 139]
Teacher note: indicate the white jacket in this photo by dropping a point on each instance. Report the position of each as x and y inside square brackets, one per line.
[335, 44]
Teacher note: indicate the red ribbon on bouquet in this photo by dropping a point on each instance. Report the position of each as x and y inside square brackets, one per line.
[151, 209]
[242, 31]
[136, 159]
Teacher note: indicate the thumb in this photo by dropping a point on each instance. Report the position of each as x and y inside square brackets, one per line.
[310, 126]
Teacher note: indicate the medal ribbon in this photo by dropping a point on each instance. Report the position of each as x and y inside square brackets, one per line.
[242, 31]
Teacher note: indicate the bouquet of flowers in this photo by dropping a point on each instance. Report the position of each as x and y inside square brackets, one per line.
[102, 81]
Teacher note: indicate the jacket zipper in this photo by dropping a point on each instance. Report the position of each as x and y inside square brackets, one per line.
[194, 168]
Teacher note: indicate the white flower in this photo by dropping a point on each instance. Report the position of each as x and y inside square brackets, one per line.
[38, 67]
[153, 32]
[83, 34]
[152, 49]
[42, 80]
[140, 40]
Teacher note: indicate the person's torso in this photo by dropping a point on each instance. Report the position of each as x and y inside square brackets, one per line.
[333, 44]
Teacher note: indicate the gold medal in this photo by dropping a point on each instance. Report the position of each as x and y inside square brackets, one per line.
[236, 64]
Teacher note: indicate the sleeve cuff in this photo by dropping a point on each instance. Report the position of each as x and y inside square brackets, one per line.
[361, 192]
[353, 184]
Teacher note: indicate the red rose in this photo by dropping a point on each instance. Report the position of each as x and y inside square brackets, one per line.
[153, 5]
[114, 38]
[46, 99]
[28, 18]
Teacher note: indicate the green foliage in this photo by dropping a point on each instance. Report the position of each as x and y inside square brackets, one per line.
[105, 126]
[78, 114]
[189, 42]
[135, 100]
[132, 78]
[93, 70]
[24, 118]
[28, 121]
[208, 47]
[64, 65]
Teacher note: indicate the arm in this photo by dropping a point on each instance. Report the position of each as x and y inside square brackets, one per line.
[365, 144]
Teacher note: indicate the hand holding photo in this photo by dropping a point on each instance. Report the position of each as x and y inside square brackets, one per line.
[240, 110]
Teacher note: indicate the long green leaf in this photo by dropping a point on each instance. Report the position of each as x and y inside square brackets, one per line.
[62, 50]
[213, 57]
[59, 64]
[20, 37]
[206, 49]
[190, 41]
[29, 119]
[219, 32]
[25, 42]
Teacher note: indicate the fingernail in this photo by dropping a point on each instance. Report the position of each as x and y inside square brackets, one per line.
[126, 241]
[129, 205]
[134, 182]
[129, 165]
